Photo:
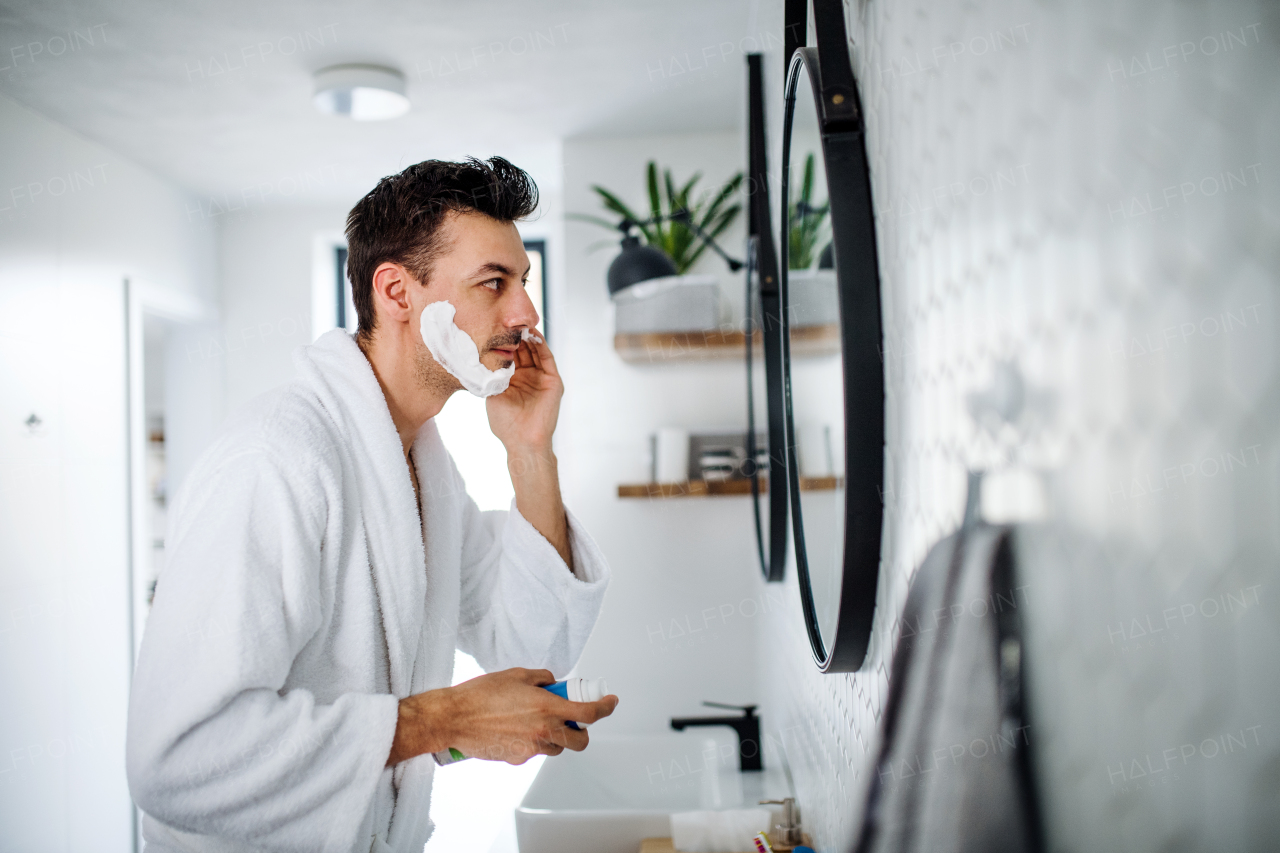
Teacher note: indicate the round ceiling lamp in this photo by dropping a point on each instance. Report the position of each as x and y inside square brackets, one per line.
[361, 92]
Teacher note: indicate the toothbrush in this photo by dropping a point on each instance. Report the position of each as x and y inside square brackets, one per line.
[762, 843]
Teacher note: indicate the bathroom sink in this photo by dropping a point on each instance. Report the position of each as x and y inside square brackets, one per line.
[623, 789]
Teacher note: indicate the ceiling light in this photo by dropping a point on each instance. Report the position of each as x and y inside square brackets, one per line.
[361, 92]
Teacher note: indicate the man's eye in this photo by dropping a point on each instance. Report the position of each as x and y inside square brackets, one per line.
[493, 283]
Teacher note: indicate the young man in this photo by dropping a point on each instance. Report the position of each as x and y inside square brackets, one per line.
[324, 559]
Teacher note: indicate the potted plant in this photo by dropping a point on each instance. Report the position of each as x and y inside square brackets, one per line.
[806, 222]
[649, 282]
[811, 293]
[713, 214]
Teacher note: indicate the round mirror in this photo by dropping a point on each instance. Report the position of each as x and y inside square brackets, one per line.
[766, 433]
[834, 386]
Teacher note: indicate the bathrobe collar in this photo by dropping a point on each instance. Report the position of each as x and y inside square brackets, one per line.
[340, 375]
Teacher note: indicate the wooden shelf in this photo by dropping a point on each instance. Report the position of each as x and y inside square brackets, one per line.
[820, 484]
[713, 345]
[666, 845]
[692, 489]
[713, 488]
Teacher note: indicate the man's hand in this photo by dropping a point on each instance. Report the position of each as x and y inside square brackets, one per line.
[502, 716]
[524, 418]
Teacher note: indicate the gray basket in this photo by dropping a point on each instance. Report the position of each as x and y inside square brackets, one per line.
[682, 303]
[813, 297]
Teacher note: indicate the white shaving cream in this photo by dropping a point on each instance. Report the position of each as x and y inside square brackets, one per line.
[457, 353]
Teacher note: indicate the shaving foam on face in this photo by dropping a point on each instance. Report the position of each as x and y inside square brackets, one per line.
[457, 353]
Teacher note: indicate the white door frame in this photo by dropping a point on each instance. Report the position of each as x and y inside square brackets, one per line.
[143, 299]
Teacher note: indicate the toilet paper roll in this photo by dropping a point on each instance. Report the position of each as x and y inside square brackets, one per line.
[673, 455]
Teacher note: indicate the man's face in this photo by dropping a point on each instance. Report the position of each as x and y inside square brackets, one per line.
[481, 270]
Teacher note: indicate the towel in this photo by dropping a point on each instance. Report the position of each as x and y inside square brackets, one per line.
[304, 595]
[954, 771]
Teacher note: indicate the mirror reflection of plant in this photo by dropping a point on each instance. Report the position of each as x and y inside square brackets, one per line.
[711, 212]
[806, 221]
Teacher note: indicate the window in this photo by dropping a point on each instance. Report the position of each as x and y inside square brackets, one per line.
[537, 285]
[345, 310]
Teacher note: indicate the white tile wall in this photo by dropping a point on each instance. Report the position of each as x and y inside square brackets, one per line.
[1090, 191]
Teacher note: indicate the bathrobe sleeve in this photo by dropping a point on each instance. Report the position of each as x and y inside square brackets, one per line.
[214, 746]
[520, 603]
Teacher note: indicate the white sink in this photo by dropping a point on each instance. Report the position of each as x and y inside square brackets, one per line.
[622, 789]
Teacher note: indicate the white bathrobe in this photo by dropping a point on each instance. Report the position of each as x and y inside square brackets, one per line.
[298, 605]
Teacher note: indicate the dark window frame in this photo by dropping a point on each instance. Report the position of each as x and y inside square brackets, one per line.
[340, 316]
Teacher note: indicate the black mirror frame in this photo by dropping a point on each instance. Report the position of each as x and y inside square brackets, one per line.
[858, 282]
[764, 260]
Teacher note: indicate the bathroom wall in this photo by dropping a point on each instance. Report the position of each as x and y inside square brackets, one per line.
[266, 260]
[678, 623]
[1086, 191]
[76, 220]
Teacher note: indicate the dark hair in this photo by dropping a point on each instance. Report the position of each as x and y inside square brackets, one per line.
[399, 221]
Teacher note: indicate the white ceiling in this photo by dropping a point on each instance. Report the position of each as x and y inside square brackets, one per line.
[494, 77]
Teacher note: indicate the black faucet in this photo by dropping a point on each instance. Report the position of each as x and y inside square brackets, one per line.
[747, 726]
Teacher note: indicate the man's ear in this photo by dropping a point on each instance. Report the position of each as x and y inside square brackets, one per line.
[391, 284]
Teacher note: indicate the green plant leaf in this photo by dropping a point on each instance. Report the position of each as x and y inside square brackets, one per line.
[655, 203]
[687, 189]
[806, 222]
[806, 190]
[677, 240]
[721, 197]
[670, 229]
[718, 227]
[724, 221]
[619, 207]
[616, 204]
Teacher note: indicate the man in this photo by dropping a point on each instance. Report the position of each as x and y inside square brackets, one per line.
[324, 559]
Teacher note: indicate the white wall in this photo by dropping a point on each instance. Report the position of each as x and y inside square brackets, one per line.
[266, 264]
[677, 623]
[1119, 229]
[75, 221]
